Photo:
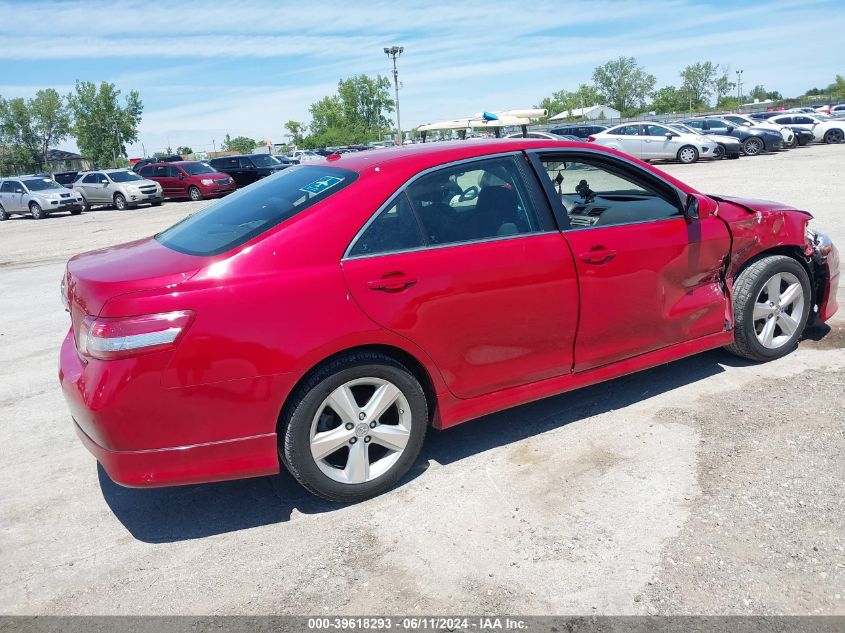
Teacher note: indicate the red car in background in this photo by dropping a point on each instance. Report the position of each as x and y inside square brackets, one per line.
[189, 179]
[324, 317]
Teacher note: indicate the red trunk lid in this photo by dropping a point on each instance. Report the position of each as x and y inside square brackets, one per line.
[95, 277]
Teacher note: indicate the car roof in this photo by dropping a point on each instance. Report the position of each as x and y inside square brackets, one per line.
[419, 156]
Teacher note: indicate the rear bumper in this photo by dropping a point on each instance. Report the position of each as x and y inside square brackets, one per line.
[202, 463]
[147, 435]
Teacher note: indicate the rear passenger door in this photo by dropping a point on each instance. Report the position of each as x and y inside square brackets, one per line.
[465, 261]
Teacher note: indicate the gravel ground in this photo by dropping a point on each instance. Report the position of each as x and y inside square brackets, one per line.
[708, 485]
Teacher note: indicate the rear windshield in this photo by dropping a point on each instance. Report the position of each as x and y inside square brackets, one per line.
[239, 217]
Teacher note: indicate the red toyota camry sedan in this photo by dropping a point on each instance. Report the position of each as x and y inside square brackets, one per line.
[324, 317]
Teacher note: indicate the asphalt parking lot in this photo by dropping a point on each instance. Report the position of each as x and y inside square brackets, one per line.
[710, 485]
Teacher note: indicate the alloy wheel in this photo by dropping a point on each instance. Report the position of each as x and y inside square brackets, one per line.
[360, 430]
[753, 146]
[834, 136]
[778, 310]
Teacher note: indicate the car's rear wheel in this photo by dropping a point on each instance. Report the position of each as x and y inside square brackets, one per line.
[687, 154]
[792, 143]
[157, 203]
[771, 306]
[36, 211]
[194, 193]
[354, 428]
[75, 211]
[119, 202]
[752, 146]
[3, 214]
[834, 136]
[85, 205]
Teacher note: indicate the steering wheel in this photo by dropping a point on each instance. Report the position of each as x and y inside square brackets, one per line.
[470, 193]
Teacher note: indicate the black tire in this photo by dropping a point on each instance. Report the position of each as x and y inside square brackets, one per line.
[753, 146]
[834, 136]
[792, 144]
[747, 288]
[719, 152]
[733, 156]
[36, 211]
[299, 412]
[75, 211]
[85, 205]
[157, 203]
[687, 154]
[3, 215]
[120, 202]
[194, 194]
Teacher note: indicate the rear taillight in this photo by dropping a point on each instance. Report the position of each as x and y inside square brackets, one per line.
[591, 139]
[112, 338]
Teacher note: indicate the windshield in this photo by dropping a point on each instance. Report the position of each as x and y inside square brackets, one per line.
[195, 169]
[239, 217]
[680, 127]
[123, 176]
[41, 184]
[265, 160]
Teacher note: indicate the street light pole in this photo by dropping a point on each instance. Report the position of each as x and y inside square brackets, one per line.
[394, 52]
[738, 89]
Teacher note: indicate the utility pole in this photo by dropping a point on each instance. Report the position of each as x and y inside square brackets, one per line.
[738, 89]
[394, 52]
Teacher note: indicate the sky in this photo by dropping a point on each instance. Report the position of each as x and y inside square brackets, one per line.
[206, 68]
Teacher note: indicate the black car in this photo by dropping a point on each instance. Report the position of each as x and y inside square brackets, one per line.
[803, 136]
[173, 158]
[581, 131]
[754, 140]
[245, 169]
[65, 178]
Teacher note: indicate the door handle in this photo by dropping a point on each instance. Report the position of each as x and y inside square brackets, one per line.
[392, 283]
[598, 255]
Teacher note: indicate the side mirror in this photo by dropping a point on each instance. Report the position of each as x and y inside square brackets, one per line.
[669, 135]
[181, 176]
[730, 129]
[698, 207]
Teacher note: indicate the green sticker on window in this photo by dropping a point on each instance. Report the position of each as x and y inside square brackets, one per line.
[321, 185]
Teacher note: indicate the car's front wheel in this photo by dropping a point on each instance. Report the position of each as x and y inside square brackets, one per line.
[752, 146]
[771, 305]
[354, 428]
[194, 194]
[36, 211]
[119, 202]
[4, 215]
[687, 154]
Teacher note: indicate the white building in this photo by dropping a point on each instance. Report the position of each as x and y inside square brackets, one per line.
[590, 113]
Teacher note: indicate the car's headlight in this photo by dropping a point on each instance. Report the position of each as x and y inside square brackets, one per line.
[207, 182]
[63, 290]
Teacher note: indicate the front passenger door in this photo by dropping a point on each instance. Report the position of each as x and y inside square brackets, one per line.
[648, 277]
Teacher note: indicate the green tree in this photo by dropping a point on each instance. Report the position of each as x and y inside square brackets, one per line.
[623, 84]
[837, 88]
[760, 93]
[184, 150]
[723, 87]
[22, 145]
[240, 144]
[296, 131]
[50, 120]
[355, 114]
[670, 99]
[699, 82]
[101, 125]
[566, 101]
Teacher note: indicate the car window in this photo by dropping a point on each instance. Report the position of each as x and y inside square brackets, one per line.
[394, 229]
[173, 172]
[245, 163]
[6, 187]
[241, 216]
[146, 171]
[696, 125]
[802, 120]
[655, 130]
[17, 187]
[597, 194]
[625, 130]
[717, 125]
[473, 201]
[90, 178]
[101, 178]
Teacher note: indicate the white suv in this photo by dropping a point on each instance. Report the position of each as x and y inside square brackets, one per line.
[38, 196]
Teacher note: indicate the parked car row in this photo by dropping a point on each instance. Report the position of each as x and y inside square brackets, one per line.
[710, 136]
